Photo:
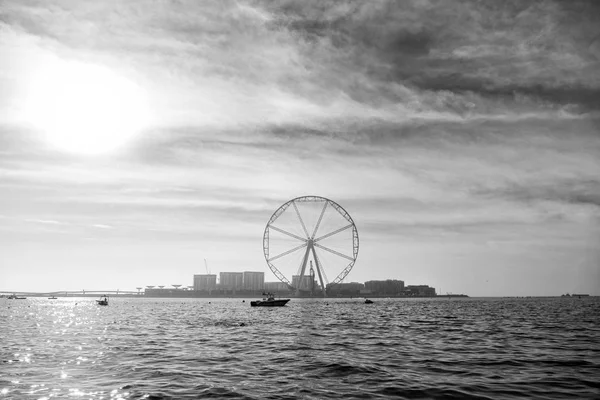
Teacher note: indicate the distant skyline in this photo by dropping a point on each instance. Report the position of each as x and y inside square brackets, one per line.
[138, 139]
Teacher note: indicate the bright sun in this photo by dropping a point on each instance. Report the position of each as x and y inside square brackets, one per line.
[85, 108]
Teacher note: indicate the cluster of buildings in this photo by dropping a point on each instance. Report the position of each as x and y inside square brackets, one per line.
[253, 283]
[388, 287]
[237, 281]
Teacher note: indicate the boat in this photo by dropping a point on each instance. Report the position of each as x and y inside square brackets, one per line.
[52, 298]
[103, 301]
[367, 301]
[15, 297]
[269, 301]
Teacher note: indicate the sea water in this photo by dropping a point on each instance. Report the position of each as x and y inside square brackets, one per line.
[143, 348]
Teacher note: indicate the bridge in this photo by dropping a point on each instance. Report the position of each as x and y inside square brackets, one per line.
[74, 293]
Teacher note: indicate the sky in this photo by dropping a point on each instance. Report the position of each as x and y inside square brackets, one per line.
[138, 139]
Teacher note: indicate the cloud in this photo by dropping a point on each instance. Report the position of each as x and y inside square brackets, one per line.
[453, 123]
[289, 64]
[494, 51]
[102, 226]
[46, 221]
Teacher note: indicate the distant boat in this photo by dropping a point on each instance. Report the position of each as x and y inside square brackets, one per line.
[103, 301]
[269, 301]
[15, 297]
[367, 301]
[52, 298]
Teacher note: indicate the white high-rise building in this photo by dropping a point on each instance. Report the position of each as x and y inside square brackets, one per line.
[254, 280]
[205, 282]
[231, 280]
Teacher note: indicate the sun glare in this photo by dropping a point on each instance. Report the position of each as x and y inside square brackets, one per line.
[84, 108]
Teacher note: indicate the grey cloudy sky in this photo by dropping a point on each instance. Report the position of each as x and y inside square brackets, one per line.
[462, 137]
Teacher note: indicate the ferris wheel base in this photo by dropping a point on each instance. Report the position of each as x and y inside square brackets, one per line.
[308, 293]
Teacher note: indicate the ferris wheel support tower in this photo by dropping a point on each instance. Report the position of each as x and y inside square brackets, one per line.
[310, 248]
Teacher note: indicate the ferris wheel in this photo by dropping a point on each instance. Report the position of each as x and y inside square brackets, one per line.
[313, 232]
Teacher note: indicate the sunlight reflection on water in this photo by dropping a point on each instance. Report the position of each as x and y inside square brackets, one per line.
[334, 348]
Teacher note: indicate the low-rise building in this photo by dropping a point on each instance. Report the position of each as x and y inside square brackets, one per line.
[276, 287]
[389, 287]
[420, 290]
[345, 289]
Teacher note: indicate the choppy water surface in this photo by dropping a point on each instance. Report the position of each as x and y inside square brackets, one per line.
[223, 348]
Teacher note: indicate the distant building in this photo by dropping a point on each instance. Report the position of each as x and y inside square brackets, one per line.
[205, 282]
[389, 287]
[254, 280]
[276, 287]
[420, 290]
[231, 280]
[345, 289]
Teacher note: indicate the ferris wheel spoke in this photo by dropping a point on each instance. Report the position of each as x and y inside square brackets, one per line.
[300, 218]
[285, 253]
[319, 221]
[334, 232]
[337, 253]
[287, 233]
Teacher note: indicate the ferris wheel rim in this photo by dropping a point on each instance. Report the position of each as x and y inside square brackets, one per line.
[281, 209]
[299, 198]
